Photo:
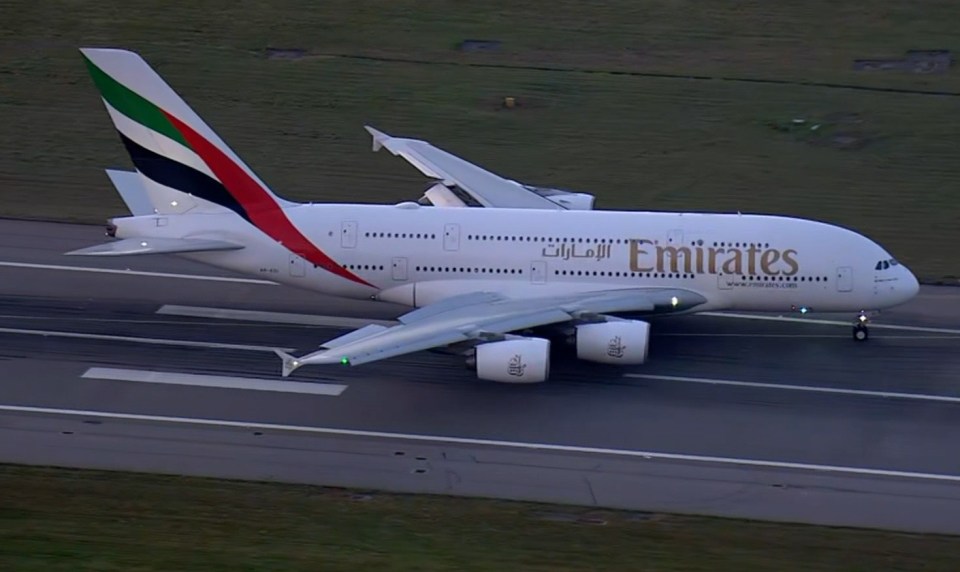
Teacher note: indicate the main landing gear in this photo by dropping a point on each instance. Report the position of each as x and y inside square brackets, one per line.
[860, 331]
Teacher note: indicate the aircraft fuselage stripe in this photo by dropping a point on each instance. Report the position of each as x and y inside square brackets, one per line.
[181, 177]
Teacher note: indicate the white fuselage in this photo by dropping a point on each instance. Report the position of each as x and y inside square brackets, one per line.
[414, 255]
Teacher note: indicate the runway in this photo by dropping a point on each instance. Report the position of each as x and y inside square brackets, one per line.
[732, 416]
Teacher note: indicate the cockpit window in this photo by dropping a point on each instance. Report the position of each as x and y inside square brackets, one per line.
[885, 264]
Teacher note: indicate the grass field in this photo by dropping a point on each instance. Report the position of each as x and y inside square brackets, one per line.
[86, 520]
[886, 163]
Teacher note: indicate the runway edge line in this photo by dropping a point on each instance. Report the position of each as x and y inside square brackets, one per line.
[648, 455]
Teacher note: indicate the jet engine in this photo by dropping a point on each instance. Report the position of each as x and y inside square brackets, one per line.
[616, 342]
[523, 360]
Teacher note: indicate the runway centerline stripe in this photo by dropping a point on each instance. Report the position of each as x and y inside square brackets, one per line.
[623, 453]
[218, 381]
[137, 340]
[270, 317]
[136, 273]
[787, 387]
[817, 321]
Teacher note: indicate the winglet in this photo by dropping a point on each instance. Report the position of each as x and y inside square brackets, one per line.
[379, 137]
[290, 363]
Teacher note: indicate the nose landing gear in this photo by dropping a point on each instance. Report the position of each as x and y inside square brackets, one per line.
[860, 331]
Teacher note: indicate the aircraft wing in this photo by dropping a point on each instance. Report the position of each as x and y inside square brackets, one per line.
[461, 183]
[129, 246]
[485, 317]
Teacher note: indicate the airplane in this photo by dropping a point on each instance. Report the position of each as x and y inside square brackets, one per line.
[494, 270]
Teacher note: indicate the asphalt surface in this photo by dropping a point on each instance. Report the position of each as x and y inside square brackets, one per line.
[737, 417]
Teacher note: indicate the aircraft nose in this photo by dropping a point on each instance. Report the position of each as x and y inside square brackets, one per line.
[911, 286]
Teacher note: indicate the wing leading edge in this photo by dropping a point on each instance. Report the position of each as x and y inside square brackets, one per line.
[485, 317]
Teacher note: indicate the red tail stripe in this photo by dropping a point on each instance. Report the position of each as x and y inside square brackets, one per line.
[263, 211]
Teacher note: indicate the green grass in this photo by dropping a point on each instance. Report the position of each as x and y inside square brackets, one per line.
[636, 141]
[59, 519]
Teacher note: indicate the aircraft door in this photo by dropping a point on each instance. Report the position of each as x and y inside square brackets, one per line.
[844, 279]
[348, 234]
[451, 236]
[538, 272]
[399, 268]
[297, 266]
[725, 281]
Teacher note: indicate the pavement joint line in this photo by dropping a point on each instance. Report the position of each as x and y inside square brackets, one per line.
[138, 340]
[806, 388]
[818, 321]
[272, 317]
[128, 272]
[215, 381]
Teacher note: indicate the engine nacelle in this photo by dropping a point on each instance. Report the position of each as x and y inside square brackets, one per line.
[617, 342]
[524, 360]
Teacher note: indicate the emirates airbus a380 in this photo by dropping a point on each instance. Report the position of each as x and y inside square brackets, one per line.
[491, 268]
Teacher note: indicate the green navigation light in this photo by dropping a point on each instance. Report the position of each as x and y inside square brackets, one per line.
[345, 361]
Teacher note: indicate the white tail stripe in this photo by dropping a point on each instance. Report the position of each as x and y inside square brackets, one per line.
[157, 142]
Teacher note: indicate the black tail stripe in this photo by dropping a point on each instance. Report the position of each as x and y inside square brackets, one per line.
[181, 177]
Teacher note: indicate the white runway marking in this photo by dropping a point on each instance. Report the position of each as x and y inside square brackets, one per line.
[810, 336]
[271, 317]
[809, 388]
[848, 323]
[624, 453]
[227, 382]
[137, 273]
[155, 341]
[337, 322]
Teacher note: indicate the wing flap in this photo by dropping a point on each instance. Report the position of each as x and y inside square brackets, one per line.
[132, 246]
[391, 343]
[356, 335]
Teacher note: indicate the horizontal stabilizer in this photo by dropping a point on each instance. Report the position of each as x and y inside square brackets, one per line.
[131, 190]
[129, 246]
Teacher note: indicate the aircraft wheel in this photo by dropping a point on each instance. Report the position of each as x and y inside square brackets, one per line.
[860, 333]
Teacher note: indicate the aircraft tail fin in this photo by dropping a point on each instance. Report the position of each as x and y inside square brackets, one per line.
[175, 151]
[171, 145]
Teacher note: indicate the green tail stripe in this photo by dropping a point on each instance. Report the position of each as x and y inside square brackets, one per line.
[132, 105]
